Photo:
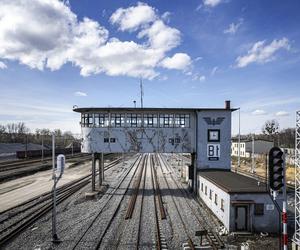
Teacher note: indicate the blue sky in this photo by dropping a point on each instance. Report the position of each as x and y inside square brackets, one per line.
[189, 54]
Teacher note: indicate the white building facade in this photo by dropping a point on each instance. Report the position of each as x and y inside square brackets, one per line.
[261, 147]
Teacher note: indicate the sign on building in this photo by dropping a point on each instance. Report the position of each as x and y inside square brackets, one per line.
[213, 152]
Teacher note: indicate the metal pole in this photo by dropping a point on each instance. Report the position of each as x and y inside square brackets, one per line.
[284, 212]
[253, 163]
[53, 156]
[141, 86]
[102, 166]
[239, 148]
[93, 172]
[100, 169]
[26, 141]
[54, 230]
[42, 147]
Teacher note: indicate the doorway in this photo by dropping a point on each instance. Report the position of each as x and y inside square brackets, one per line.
[241, 218]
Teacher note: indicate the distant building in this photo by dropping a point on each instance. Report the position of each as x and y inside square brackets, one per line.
[289, 155]
[260, 147]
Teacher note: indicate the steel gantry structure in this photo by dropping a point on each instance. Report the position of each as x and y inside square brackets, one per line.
[297, 180]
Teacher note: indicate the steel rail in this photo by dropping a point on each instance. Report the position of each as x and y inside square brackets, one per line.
[211, 235]
[111, 195]
[189, 240]
[142, 202]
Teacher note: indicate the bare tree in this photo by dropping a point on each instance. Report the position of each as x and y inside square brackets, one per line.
[271, 127]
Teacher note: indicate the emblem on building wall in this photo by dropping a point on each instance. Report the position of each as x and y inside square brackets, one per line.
[214, 121]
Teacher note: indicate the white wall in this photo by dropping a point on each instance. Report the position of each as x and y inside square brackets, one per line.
[223, 216]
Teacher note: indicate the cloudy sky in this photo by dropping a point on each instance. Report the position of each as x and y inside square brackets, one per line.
[198, 53]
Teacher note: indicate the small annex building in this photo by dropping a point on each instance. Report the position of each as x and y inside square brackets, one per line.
[241, 203]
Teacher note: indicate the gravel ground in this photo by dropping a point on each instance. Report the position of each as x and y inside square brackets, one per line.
[76, 214]
[73, 215]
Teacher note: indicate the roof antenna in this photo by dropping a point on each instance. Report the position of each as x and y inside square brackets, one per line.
[142, 93]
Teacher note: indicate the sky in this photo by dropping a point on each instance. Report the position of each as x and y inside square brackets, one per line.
[197, 53]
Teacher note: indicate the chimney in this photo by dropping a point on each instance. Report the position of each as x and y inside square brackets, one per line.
[227, 104]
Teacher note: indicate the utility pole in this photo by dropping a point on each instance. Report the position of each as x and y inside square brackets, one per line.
[253, 159]
[142, 93]
[134, 103]
[239, 148]
[42, 147]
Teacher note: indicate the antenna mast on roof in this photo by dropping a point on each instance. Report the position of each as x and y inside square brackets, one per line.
[142, 93]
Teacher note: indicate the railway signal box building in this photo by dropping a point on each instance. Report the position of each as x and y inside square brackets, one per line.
[204, 132]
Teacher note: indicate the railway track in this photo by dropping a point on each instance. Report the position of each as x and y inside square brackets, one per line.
[161, 243]
[37, 207]
[211, 236]
[109, 203]
[15, 163]
[176, 206]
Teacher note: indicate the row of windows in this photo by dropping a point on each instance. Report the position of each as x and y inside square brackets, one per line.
[211, 197]
[236, 152]
[135, 120]
[258, 207]
[242, 145]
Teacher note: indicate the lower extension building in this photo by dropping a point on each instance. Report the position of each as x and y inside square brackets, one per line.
[241, 203]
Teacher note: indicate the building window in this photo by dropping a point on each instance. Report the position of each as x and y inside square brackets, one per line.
[87, 120]
[112, 140]
[210, 194]
[177, 140]
[166, 121]
[259, 209]
[134, 120]
[202, 187]
[222, 205]
[205, 190]
[117, 120]
[101, 120]
[182, 121]
[150, 120]
[216, 199]
[106, 140]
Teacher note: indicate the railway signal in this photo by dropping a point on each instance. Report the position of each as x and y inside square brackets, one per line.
[276, 169]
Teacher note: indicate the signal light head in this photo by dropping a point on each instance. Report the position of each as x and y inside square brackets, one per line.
[276, 173]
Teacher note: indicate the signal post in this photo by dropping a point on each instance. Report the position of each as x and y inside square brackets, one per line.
[277, 182]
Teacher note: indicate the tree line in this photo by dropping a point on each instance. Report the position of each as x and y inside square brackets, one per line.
[271, 131]
[19, 133]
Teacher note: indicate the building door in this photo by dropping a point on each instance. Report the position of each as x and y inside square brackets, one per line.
[241, 215]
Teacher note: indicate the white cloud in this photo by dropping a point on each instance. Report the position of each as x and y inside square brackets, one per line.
[282, 113]
[166, 16]
[214, 71]
[53, 36]
[198, 77]
[160, 36]
[261, 53]
[233, 27]
[178, 61]
[3, 65]
[79, 93]
[211, 3]
[259, 112]
[198, 58]
[133, 17]
[199, 7]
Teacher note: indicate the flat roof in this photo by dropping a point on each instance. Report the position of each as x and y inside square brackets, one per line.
[248, 140]
[132, 109]
[232, 182]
